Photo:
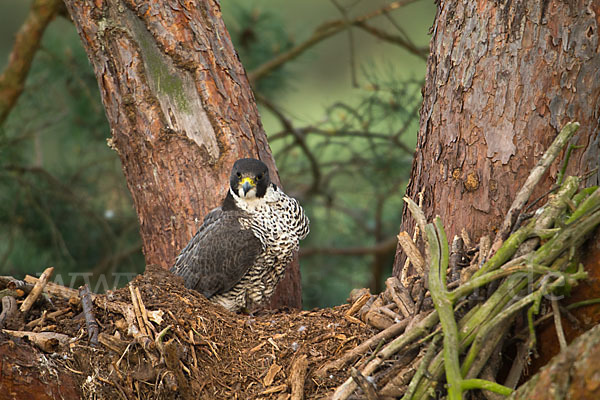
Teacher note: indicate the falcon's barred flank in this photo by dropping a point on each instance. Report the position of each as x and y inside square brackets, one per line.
[240, 252]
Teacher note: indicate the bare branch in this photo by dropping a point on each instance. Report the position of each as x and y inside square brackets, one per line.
[299, 136]
[420, 52]
[321, 33]
[27, 41]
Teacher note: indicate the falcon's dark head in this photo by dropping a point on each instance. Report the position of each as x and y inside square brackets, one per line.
[249, 178]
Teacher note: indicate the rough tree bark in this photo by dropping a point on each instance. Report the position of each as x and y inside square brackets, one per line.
[26, 373]
[181, 112]
[502, 79]
[573, 374]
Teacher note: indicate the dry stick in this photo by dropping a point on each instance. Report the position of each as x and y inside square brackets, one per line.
[412, 252]
[11, 283]
[137, 311]
[53, 315]
[365, 385]
[55, 289]
[402, 299]
[9, 308]
[386, 311]
[345, 390]
[514, 375]
[560, 333]
[353, 354]
[418, 257]
[117, 307]
[429, 354]
[298, 376]
[47, 341]
[88, 312]
[358, 304]
[144, 312]
[37, 290]
[532, 180]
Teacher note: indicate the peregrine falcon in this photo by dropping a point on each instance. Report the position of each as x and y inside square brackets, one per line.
[240, 252]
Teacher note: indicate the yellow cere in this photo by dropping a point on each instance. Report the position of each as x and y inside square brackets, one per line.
[247, 179]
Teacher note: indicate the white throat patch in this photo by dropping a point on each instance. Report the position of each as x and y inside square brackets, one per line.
[251, 203]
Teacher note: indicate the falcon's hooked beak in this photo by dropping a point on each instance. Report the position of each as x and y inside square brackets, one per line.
[247, 184]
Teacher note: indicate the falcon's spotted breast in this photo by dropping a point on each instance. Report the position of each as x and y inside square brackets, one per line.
[240, 252]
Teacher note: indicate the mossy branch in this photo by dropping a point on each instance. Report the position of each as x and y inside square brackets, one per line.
[438, 264]
[541, 268]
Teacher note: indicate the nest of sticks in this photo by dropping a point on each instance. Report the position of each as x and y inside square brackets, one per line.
[436, 331]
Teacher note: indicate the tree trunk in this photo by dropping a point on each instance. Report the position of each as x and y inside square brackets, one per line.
[26, 373]
[181, 112]
[573, 374]
[502, 79]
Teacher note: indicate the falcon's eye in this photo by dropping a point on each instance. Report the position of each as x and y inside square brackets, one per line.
[259, 176]
[239, 175]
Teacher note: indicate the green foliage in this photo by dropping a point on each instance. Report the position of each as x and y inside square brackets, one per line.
[64, 199]
[259, 35]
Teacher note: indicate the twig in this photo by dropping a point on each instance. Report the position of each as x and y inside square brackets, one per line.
[482, 384]
[357, 305]
[354, 353]
[365, 385]
[144, 312]
[55, 289]
[322, 32]
[346, 389]
[297, 377]
[400, 296]
[88, 312]
[417, 213]
[11, 283]
[561, 173]
[300, 139]
[26, 44]
[431, 351]
[47, 341]
[9, 309]
[37, 290]
[412, 252]
[135, 300]
[420, 52]
[113, 343]
[513, 308]
[346, 20]
[560, 333]
[52, 316]
[194, 357]
[516, 369]
[534, 177]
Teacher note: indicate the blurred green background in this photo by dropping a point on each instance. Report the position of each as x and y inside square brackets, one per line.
[351, 100]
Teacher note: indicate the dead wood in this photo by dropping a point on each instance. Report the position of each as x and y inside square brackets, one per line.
[55, 289]
[297, 374]
[37, 290]
[9, 310]
[88, 312]
[49, 342]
